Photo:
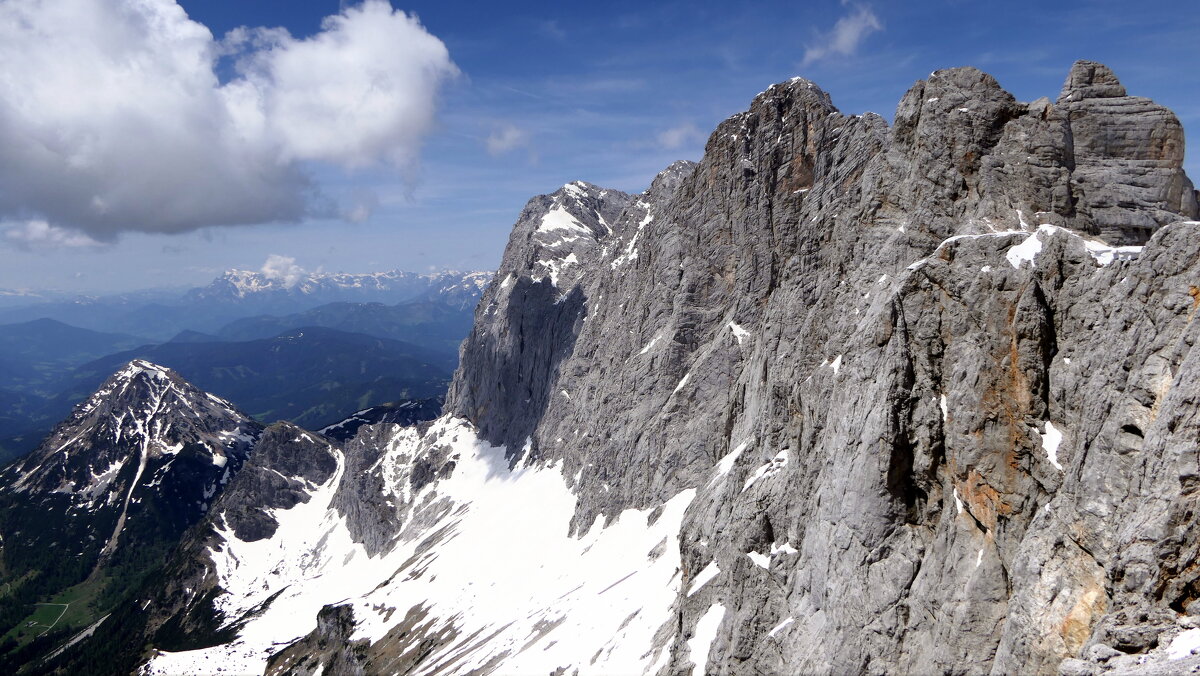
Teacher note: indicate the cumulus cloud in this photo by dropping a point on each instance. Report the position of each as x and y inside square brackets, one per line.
[362, 204]
[847, 34]
[113, 118]
[505, 138]
[679, 136]
[39, 235]
[283, 269]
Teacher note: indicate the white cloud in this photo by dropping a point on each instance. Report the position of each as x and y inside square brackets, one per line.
[362, 204]
[505, 138]
[847, 34]
[112, 117]
[282, 269]
[40, 235]
[679, 136]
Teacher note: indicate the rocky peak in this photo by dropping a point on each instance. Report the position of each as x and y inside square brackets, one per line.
[557, 233]
[788, 318]
[142, 415]
[668, 180]
[117, 484]
[288, 463]
[1090, 80]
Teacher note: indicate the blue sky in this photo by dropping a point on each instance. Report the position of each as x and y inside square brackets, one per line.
[546, 93]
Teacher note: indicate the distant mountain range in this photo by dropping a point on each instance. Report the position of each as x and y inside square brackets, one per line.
[311, 351]
[237, 294]
[312, 376]
[34, 355]
[435, 325]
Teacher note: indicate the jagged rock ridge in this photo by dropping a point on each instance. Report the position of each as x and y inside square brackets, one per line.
[858, 398]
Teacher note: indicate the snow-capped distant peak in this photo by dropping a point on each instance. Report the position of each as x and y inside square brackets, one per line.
[318, 287]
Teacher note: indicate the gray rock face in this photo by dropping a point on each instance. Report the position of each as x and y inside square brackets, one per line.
[1127, 153]
[287, 463]
[961, 440]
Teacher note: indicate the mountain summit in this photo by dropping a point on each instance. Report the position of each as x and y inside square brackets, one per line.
[116, 484]
[841, 397]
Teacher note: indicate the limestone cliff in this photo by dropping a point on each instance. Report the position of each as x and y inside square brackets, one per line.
[954, 408]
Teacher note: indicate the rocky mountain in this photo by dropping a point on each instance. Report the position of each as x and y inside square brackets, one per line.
[841, 397]
[109, 493]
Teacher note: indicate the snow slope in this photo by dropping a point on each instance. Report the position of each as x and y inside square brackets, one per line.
[490, 566]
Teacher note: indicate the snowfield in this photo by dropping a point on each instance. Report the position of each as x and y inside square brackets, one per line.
[496, 573]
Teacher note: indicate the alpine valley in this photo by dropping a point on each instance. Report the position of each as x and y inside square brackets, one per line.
[843, 397]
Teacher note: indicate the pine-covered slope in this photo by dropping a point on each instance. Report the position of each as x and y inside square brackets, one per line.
[842, 397]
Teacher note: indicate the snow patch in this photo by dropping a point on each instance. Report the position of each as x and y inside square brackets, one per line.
[771, 468]
[704, 577]
[785, 548]
[726, 463]
[761, 560]
[650, 346]
[1025, 252]
[1050, 441]
[738, 332]
[701, 641]
[780, 627]
[682, 382]
[1105, 255]
[543, 598]
[553, 268]
[559, 218]
[1183, 644]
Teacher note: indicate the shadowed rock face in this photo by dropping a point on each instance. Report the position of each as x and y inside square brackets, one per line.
[871, 320]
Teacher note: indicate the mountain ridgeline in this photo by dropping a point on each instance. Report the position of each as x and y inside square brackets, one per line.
[843, 397]
[240, 294]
